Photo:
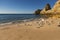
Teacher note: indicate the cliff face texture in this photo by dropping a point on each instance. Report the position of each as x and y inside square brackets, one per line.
[55, 9]
[47, 8]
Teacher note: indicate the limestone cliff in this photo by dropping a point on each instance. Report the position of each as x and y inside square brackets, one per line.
[54, 10]
[56, 7]
[47, 7]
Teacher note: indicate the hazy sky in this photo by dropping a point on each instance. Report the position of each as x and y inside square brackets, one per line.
[23, 6]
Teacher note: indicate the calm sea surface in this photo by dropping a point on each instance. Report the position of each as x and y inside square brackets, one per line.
[4, 18]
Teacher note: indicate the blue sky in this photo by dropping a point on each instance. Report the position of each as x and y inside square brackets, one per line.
[23, 6]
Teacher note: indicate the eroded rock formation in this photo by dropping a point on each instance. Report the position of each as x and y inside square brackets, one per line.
[37, 12]
[47, 7]
[56, 7]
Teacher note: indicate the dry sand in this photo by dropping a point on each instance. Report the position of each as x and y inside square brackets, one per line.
[33, 30]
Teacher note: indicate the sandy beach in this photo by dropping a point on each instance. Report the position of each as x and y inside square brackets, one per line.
[47, 29]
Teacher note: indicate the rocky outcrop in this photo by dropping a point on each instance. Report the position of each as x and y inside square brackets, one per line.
[47, 7]
[56, 7]
[47, 10]
[54, 10]
[37, 12]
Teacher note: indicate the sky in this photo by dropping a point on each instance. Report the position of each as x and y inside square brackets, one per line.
[23, 6]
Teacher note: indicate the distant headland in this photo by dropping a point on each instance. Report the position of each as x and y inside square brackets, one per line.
[48, 10]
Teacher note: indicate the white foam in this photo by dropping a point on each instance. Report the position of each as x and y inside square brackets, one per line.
[6, 23]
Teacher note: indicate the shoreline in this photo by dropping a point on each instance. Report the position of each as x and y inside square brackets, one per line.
[19, 21]
[39, 29]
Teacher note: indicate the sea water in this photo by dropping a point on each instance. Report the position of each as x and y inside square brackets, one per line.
[5, 18]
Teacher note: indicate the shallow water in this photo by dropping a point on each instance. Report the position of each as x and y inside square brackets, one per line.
[5, 18]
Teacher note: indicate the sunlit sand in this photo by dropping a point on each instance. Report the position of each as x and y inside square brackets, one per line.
[47, 29]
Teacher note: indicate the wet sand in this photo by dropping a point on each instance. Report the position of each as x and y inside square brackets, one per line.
[48, 29]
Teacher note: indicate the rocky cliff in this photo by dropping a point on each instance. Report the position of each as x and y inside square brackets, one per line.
[47, 7]
[56, 7]
[54, 10]
[37, 12]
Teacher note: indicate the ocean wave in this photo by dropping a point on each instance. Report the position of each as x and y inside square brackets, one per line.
[14, 22]
[17, 21]
[6, 23]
